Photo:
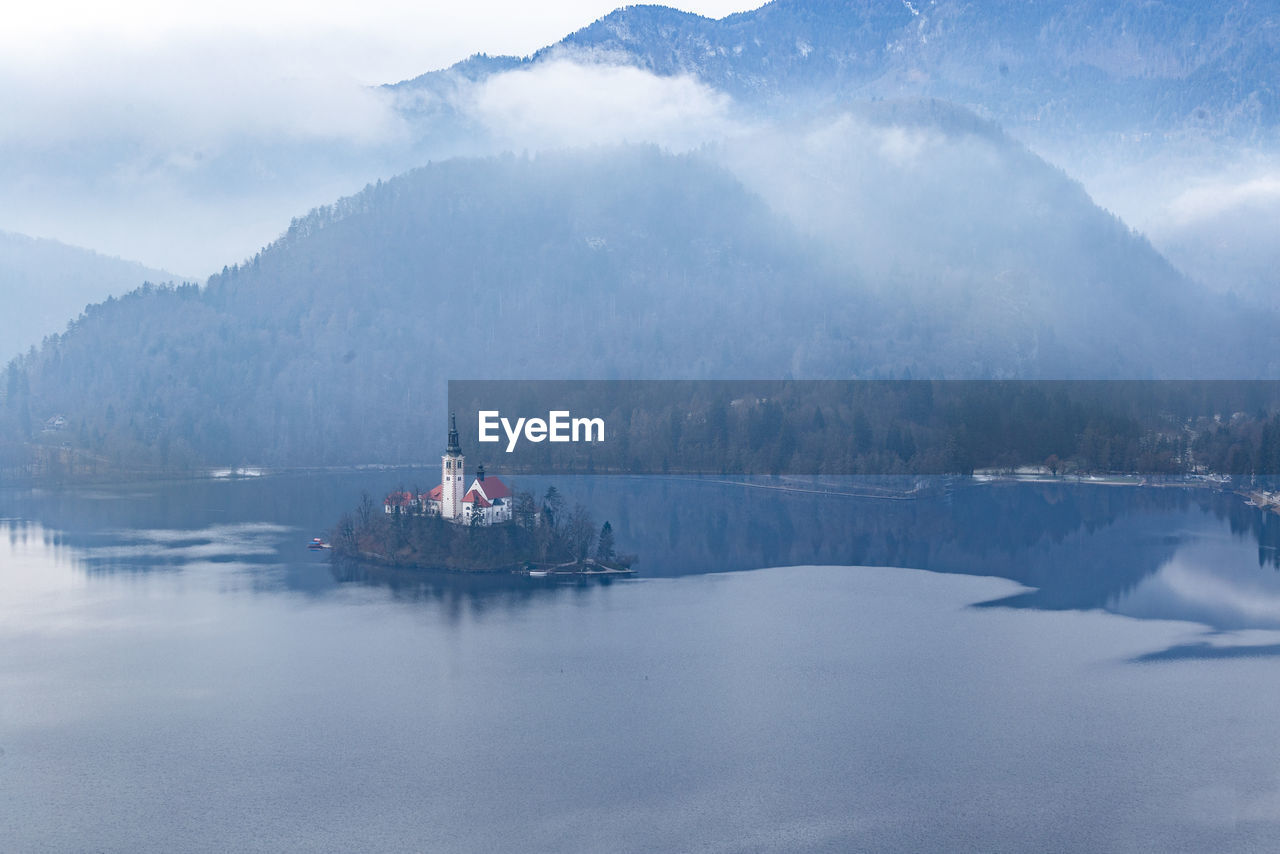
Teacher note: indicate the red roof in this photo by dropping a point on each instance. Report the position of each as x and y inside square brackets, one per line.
[404, 499]
[437, 492]
[493, 488]
[477, 498]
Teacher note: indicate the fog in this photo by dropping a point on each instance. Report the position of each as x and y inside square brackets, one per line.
[562, 104]
[195, 173]
[191, 150]
[188, 137]
[1210, 207]
[190, 157]
[1222, 230]
[658, 222]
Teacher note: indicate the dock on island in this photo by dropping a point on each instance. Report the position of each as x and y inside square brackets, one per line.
[587, 568]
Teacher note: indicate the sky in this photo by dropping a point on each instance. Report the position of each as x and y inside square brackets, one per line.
[371, 42]
[186, 135]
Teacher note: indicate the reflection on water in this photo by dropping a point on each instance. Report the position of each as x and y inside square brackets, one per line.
[1209, 580]
[1157, 553]
[160, 547]
[178, 672]
[473, 593]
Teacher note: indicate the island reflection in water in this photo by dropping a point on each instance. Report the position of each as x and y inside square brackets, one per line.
[1159, 553]
[180, 673]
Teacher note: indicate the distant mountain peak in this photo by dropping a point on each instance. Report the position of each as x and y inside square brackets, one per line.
[1170, 68]
[44, 283]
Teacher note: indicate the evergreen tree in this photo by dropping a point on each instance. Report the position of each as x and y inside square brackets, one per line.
[552, 507]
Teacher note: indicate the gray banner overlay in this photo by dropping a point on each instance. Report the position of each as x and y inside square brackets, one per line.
[809, 427]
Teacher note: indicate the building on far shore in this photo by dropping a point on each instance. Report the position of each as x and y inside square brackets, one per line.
[487, 497]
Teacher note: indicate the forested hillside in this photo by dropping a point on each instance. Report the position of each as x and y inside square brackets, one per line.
[333, 345]
[44, 283]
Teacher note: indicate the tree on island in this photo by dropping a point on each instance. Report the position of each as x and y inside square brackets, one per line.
[604, 545]
[365, 510]
[580, 532]
[346, 538]
[552, 507]
[525, 509]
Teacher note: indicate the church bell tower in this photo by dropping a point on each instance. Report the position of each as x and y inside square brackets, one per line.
[452, 485]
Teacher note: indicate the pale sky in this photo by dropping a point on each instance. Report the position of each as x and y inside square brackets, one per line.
[187, 134]
[373, 41]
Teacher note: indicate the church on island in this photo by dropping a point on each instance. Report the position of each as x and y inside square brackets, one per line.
[486, 502]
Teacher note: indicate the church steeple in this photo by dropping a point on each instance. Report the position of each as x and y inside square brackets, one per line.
[454, 448]
[452, 470]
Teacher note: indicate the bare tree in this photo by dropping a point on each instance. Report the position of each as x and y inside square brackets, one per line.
[347, 542]
[525, 510]
[1052, 463]
[580, 531]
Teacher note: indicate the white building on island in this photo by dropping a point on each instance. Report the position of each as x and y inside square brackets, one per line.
[487, 496]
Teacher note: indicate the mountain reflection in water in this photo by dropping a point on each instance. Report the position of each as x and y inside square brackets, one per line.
[1159, 553]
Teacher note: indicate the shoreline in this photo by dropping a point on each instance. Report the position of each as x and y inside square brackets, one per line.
[924, 486]
[520, 569]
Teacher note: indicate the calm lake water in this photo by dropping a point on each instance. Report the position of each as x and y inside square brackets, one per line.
[999, 668]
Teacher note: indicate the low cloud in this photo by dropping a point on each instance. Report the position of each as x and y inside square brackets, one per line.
[566, 103]
[169, 153]
[1210, 200]
[186, 154]
[1220, 229]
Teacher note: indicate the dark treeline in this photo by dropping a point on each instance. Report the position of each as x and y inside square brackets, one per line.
[542, 531]
[899, 427]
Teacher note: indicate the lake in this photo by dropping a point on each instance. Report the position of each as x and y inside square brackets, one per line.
[995, 667]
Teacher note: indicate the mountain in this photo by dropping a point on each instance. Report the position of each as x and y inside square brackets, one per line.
[1086, 84]
[905, 240]
[43, 283]
[1131, 69]
[1149, 102]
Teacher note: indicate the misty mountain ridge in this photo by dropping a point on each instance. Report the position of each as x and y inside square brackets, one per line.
[1147, 102]
[1173, 68]
[826, 220]
[1088, 85]
[44, 283]
[900, 240]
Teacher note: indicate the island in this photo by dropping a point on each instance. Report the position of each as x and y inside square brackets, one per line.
[483, 527]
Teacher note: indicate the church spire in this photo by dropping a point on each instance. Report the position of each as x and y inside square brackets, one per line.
[452, 467]
[454, 448]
